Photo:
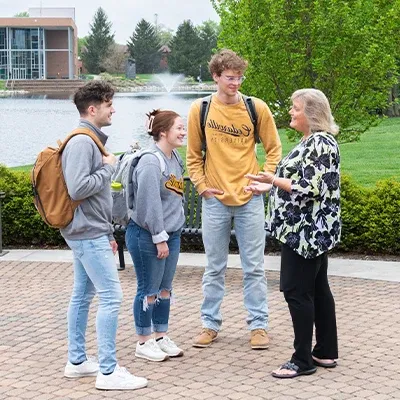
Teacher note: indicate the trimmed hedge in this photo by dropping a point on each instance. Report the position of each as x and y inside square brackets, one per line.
[22, 224]
[371, 217]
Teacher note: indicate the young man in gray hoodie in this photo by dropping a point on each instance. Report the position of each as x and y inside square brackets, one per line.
[87, 174]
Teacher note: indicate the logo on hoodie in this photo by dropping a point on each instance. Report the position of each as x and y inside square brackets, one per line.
[243, 131]
[174, 184]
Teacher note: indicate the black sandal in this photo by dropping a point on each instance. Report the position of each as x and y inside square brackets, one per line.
[293, 367]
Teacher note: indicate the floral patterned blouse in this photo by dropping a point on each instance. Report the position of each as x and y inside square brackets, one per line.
[308, 219]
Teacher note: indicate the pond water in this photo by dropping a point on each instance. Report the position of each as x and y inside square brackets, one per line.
[30, 123]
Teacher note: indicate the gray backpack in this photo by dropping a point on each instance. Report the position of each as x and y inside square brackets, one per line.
[122, 185]
[121, 181]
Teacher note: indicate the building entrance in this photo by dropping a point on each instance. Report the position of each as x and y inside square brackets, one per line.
[18, 73]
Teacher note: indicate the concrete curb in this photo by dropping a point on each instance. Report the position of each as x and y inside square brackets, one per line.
[365, 269]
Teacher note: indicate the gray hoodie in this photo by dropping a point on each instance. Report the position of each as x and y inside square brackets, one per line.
[158, 198]
[89, 180]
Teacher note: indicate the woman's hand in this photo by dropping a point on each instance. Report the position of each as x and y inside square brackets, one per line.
[258, 188]
[162, 250]
[263, 177]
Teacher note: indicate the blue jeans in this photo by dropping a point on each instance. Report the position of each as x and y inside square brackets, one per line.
[94, 271]
[250, 234]
[153, 275]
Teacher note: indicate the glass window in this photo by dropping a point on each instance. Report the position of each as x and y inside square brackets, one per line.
[18, 39]
[34, 39]
[3, 38]
[26, 54]
[3, 65]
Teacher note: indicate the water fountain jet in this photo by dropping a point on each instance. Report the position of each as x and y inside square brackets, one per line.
[169, 80]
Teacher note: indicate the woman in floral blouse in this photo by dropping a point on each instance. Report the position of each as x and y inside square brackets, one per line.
[304, 215]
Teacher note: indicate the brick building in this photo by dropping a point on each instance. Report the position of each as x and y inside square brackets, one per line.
[42, 46]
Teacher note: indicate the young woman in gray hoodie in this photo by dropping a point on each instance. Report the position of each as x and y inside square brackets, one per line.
[153, 234]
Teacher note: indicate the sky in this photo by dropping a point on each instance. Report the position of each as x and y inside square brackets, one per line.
[123, 14]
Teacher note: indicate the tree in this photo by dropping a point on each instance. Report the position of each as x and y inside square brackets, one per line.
[208, 33]
[186, 56]
[115, 62]
[345, 48]
[98, 43]
[164, 35]
[82, 43]
[143, 46]
[22, 14]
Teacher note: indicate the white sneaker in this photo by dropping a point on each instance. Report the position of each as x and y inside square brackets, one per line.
[169, 347]
[120, 379]
[90, 367]
[150, 351]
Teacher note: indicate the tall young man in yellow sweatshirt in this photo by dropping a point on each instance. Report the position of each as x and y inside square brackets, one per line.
[219, 179]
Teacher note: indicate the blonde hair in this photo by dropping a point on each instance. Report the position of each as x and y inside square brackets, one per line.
[317, 110]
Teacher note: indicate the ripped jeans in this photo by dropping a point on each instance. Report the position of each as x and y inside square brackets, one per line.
[153, 275]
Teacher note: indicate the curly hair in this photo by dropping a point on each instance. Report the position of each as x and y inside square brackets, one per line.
[226, 59]
[93, 93]
[160, 121]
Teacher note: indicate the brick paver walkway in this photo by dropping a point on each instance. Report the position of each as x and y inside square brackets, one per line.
[34, 298]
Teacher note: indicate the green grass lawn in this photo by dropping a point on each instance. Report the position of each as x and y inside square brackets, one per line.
[140, 78]
[144, 77]
[88, 77]
[373, 158]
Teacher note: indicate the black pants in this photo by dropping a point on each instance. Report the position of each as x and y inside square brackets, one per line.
[304, 283]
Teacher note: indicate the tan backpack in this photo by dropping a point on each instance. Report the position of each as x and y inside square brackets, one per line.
[51, 197]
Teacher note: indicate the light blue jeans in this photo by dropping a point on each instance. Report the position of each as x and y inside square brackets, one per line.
[95, 271]
[249, 229]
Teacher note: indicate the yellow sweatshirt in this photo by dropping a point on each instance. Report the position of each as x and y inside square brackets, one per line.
[230, 148]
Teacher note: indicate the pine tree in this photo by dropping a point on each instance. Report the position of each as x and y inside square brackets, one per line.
[186, 50]
[143, 46]
[99, 42]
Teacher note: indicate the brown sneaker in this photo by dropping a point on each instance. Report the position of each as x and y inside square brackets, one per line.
[259, 339]
[205, 338]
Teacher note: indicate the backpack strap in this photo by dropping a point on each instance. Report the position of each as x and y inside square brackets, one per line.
[251, 109]
[204, 109]
[179, 159]
[160, 158]
[162, 161]
[132, 167]
[163, 167]
[87, 132]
